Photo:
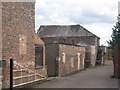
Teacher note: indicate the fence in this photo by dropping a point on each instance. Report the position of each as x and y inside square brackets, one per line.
[20, 75]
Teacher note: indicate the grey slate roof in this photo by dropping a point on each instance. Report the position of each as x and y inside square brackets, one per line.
[63, 31]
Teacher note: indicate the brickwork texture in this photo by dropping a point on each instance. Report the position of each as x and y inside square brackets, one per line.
[18, 35]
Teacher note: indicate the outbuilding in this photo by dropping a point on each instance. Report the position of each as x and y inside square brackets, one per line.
[64, 59]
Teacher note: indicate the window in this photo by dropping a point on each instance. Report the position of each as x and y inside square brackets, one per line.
[72, 62]
[83, 62]
[78, 55]
[38, 56]
[93, 49]
[63, 57]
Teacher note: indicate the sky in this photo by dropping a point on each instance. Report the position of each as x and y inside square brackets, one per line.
[97, 16]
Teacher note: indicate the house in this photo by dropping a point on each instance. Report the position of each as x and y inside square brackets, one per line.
[64, 59]
[74, 35]
[19, 42]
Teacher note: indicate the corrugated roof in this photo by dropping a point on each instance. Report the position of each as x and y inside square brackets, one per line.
[63, 31]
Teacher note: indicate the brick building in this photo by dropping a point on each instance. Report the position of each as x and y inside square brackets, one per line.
[19, 42]
[74, 35]
[63, 59]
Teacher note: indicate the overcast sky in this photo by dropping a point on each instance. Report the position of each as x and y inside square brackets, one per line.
[98, 16]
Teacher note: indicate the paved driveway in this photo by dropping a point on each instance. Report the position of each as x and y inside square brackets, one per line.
[97, 77]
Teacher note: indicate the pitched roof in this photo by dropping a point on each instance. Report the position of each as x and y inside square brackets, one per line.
[37, 40]
[63, 31]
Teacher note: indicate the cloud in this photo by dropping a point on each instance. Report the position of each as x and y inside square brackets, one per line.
[94, 14]
[88, 16]
[102, 30]
[77, 10]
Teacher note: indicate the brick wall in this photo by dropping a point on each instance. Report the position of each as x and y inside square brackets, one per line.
[91, 54]
[43, 70]
[89, 40]
[116, 58]
[18, 31]
[71, 59]
[0, 44]
[17, 20]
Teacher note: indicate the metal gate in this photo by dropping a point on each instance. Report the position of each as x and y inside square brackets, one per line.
[20, 75]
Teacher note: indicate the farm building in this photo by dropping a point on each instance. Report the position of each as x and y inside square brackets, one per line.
[73, 47]
[19, 42]
[62, 59]
[74, 35]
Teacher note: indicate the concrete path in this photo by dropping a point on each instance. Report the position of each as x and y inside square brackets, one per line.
[97, 77]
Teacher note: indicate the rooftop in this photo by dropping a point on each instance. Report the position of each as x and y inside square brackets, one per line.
[63, 31]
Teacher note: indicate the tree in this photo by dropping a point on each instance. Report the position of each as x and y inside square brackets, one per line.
[115, 42]
[115, 35]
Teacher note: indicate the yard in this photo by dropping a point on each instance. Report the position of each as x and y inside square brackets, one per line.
[97, 77]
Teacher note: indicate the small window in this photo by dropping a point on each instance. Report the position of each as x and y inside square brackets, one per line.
[93, 49]
[83, 62]
[72, 62]
[78, 55]
[63, 57]
[38, 56]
